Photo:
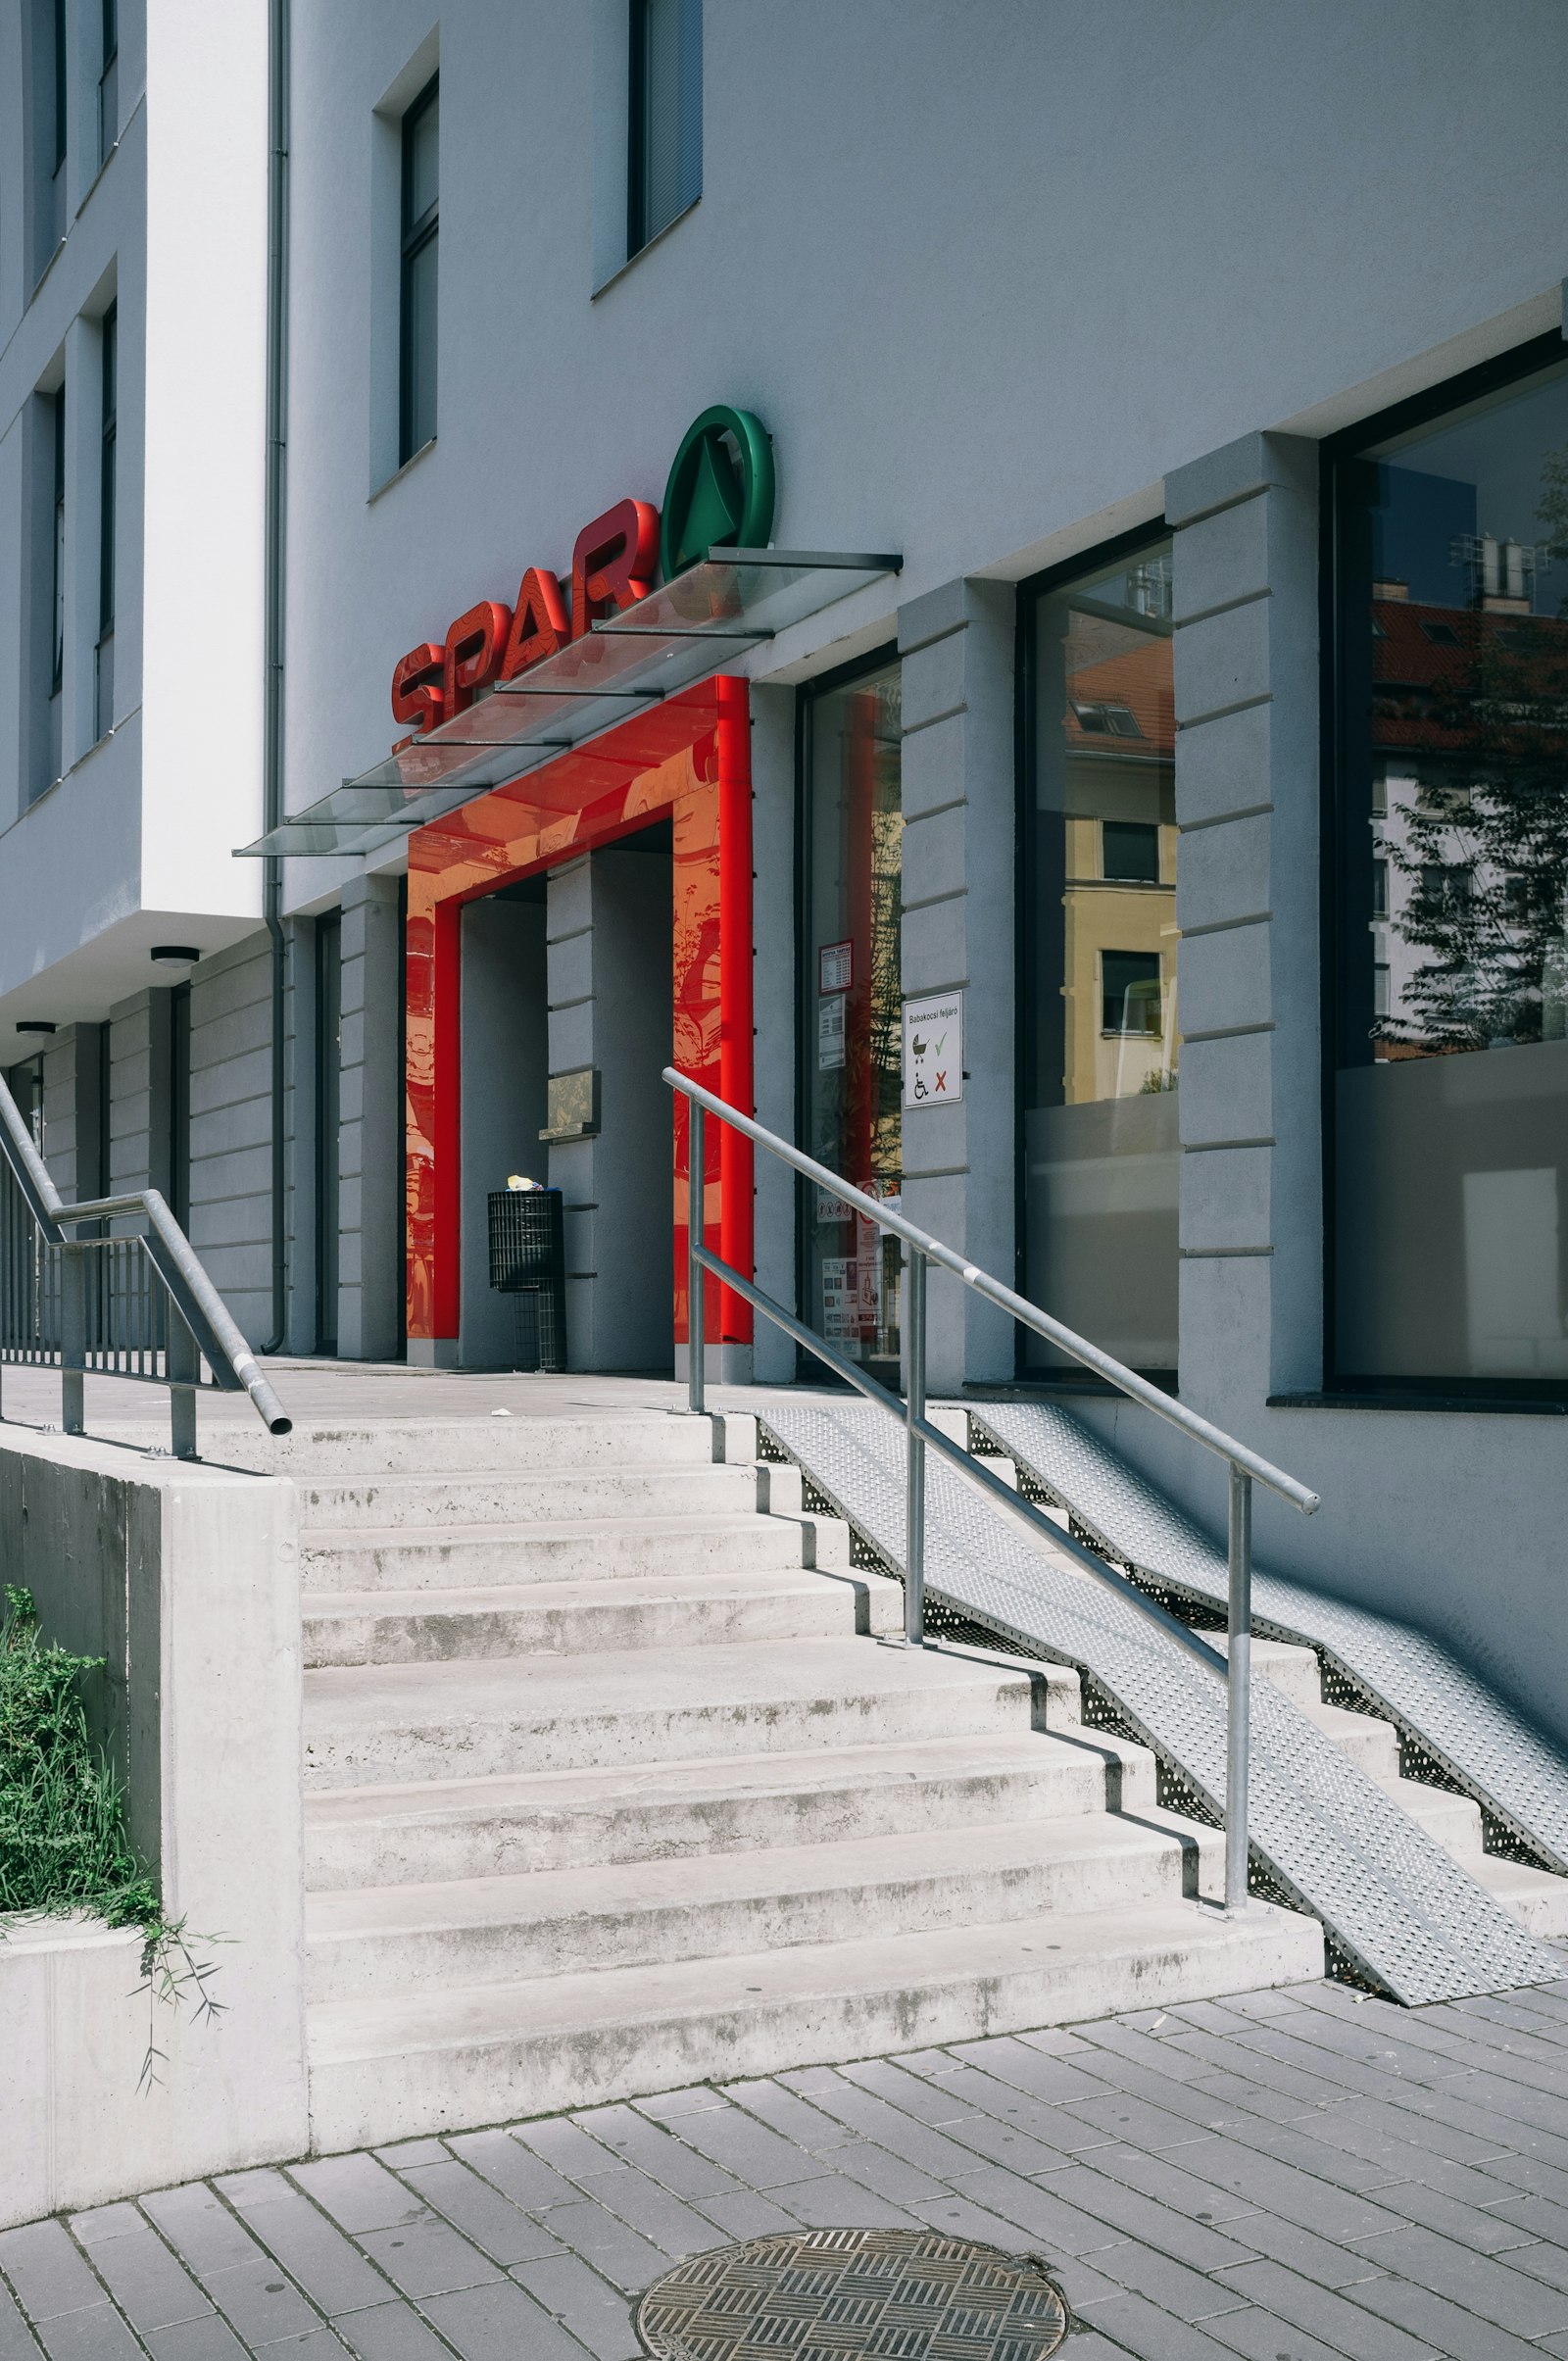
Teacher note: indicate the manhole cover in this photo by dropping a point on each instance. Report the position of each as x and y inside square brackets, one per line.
[845, 2295]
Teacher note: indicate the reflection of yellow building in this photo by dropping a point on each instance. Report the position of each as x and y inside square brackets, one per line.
[1119, 900]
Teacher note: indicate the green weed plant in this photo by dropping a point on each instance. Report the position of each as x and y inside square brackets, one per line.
[64, 1849]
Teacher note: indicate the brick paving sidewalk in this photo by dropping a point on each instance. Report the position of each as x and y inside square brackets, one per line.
[1288, 2176]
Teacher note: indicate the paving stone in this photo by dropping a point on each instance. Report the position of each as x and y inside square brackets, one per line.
[358, 2193]
[666, 2160]
[106, 2221]
[746, 2147]
[1136, 2326]
[1334, 2213]
[832, 2203]
[1537, 2217]
[1541, 2261]
[259, 2302]
[1261, 2337]
[1033, 2069]
[410, 2151]
[200, 2228]
[92, 2333]
[1155, 2054]
[589, 2309]
[391, 2332]
[1447, 2325]
[333, 2274]
[480, 2212]
[1135, 2215]
[787, 2113]
[566, 2148]
[1037, 2209]
[1525, 2305]
[613, 2249]
[666, 2105]
[1135, 2119]
[674, 2225]
[1171, 2184]
[146, 2282]
[209, 2338]
[967, 2093]
[428, 2258]
[874, 2168]
[1345, 2327]
[1467, 2225]
[1303, 2250]
[745, 2215]
[46, 2271]
[888, 2126]
[514, 2169]
[17, 2339]
[500, 2322]
[1189, 2294]
[1530, 2173]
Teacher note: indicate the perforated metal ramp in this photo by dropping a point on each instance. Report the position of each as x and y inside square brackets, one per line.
[1396, 1910]
[1453, 1728]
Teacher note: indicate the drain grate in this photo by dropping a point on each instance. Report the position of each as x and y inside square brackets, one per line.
[838, 2295]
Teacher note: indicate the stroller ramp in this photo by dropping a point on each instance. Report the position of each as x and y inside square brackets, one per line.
[1399, 1911]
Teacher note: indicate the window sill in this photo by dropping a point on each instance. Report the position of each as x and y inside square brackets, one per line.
[632, 260]
[398, 473]
[1465, 1404]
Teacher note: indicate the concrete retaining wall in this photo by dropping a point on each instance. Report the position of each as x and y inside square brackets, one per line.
[185, 1580]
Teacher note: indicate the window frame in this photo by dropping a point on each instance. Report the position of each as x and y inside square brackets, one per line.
[57, 544]
[640, 232]
[1026, 772]
[108, 79]
[414, 237]
[107, 468]
[821, 684]
[1335, 772]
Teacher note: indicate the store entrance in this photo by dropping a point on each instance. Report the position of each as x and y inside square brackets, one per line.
[505, 1062]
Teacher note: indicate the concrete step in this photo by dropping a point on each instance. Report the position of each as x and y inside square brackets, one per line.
[468, 1828]
[503, 1497]
[468, 1556]
[394, 2065]
[366, 1724]
[440, 1445]
[567, 1618]
[505, 1930]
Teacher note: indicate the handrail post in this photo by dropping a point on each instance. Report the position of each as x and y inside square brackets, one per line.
[73, 1338]
[696, 1305]
[182, 1363]
[1238, 1689]
[914, 1446]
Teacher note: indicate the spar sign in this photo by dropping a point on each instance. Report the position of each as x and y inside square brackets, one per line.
[719, 496]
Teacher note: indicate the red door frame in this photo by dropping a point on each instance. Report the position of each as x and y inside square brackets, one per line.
[690, 758]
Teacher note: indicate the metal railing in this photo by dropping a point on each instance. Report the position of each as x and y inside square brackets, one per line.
[1234, 1667]
[136, 1305]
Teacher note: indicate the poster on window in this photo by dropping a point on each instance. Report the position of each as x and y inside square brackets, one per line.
[933, 1049]
[835, 967]
[830, 1033]
[839, 1309]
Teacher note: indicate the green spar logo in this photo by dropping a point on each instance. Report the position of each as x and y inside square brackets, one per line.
[720, 489]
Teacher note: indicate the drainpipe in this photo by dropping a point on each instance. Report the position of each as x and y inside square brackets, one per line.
[275, 594]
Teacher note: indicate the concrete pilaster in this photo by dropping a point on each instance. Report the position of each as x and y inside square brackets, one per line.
[1246, 802]
[957, 651]
[371, 1138]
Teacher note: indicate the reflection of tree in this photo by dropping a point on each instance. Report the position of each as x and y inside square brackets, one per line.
[1483, 846]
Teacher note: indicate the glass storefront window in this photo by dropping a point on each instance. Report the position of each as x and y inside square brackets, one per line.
[1450, 1040]
[852, 1010]
[1450, 1034]
[1098, 949]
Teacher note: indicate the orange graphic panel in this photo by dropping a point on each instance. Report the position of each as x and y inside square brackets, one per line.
[690, 758]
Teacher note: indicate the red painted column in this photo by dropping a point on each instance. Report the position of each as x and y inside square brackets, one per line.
[735, 1030]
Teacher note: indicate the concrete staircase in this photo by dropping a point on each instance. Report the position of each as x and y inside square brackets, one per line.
[617, 1777]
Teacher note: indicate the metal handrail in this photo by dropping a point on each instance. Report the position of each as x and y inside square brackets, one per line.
[199, 1322]
[1245, 1464]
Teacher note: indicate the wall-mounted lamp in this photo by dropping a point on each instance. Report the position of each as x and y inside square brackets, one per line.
[174, 955]
[35, 1024]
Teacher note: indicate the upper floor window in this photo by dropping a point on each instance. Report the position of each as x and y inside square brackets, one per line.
[57, 669]
[103, 693]
[60, 83]
[664, 160]
[1450, 982]
[109, 80]
[422, 188]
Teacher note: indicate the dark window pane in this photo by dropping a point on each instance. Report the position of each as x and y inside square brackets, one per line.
[852, 1027]
[1452, 912]
[1130, 850]
[423, 161]
[665, 114]
[1098, 949]
[420, 347]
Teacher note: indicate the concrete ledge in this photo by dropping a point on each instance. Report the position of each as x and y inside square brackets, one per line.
[185, 1578]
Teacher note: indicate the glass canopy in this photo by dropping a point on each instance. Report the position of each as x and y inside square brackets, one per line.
[676, 636]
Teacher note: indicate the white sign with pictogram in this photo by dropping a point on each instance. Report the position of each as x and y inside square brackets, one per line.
[933, 1049]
